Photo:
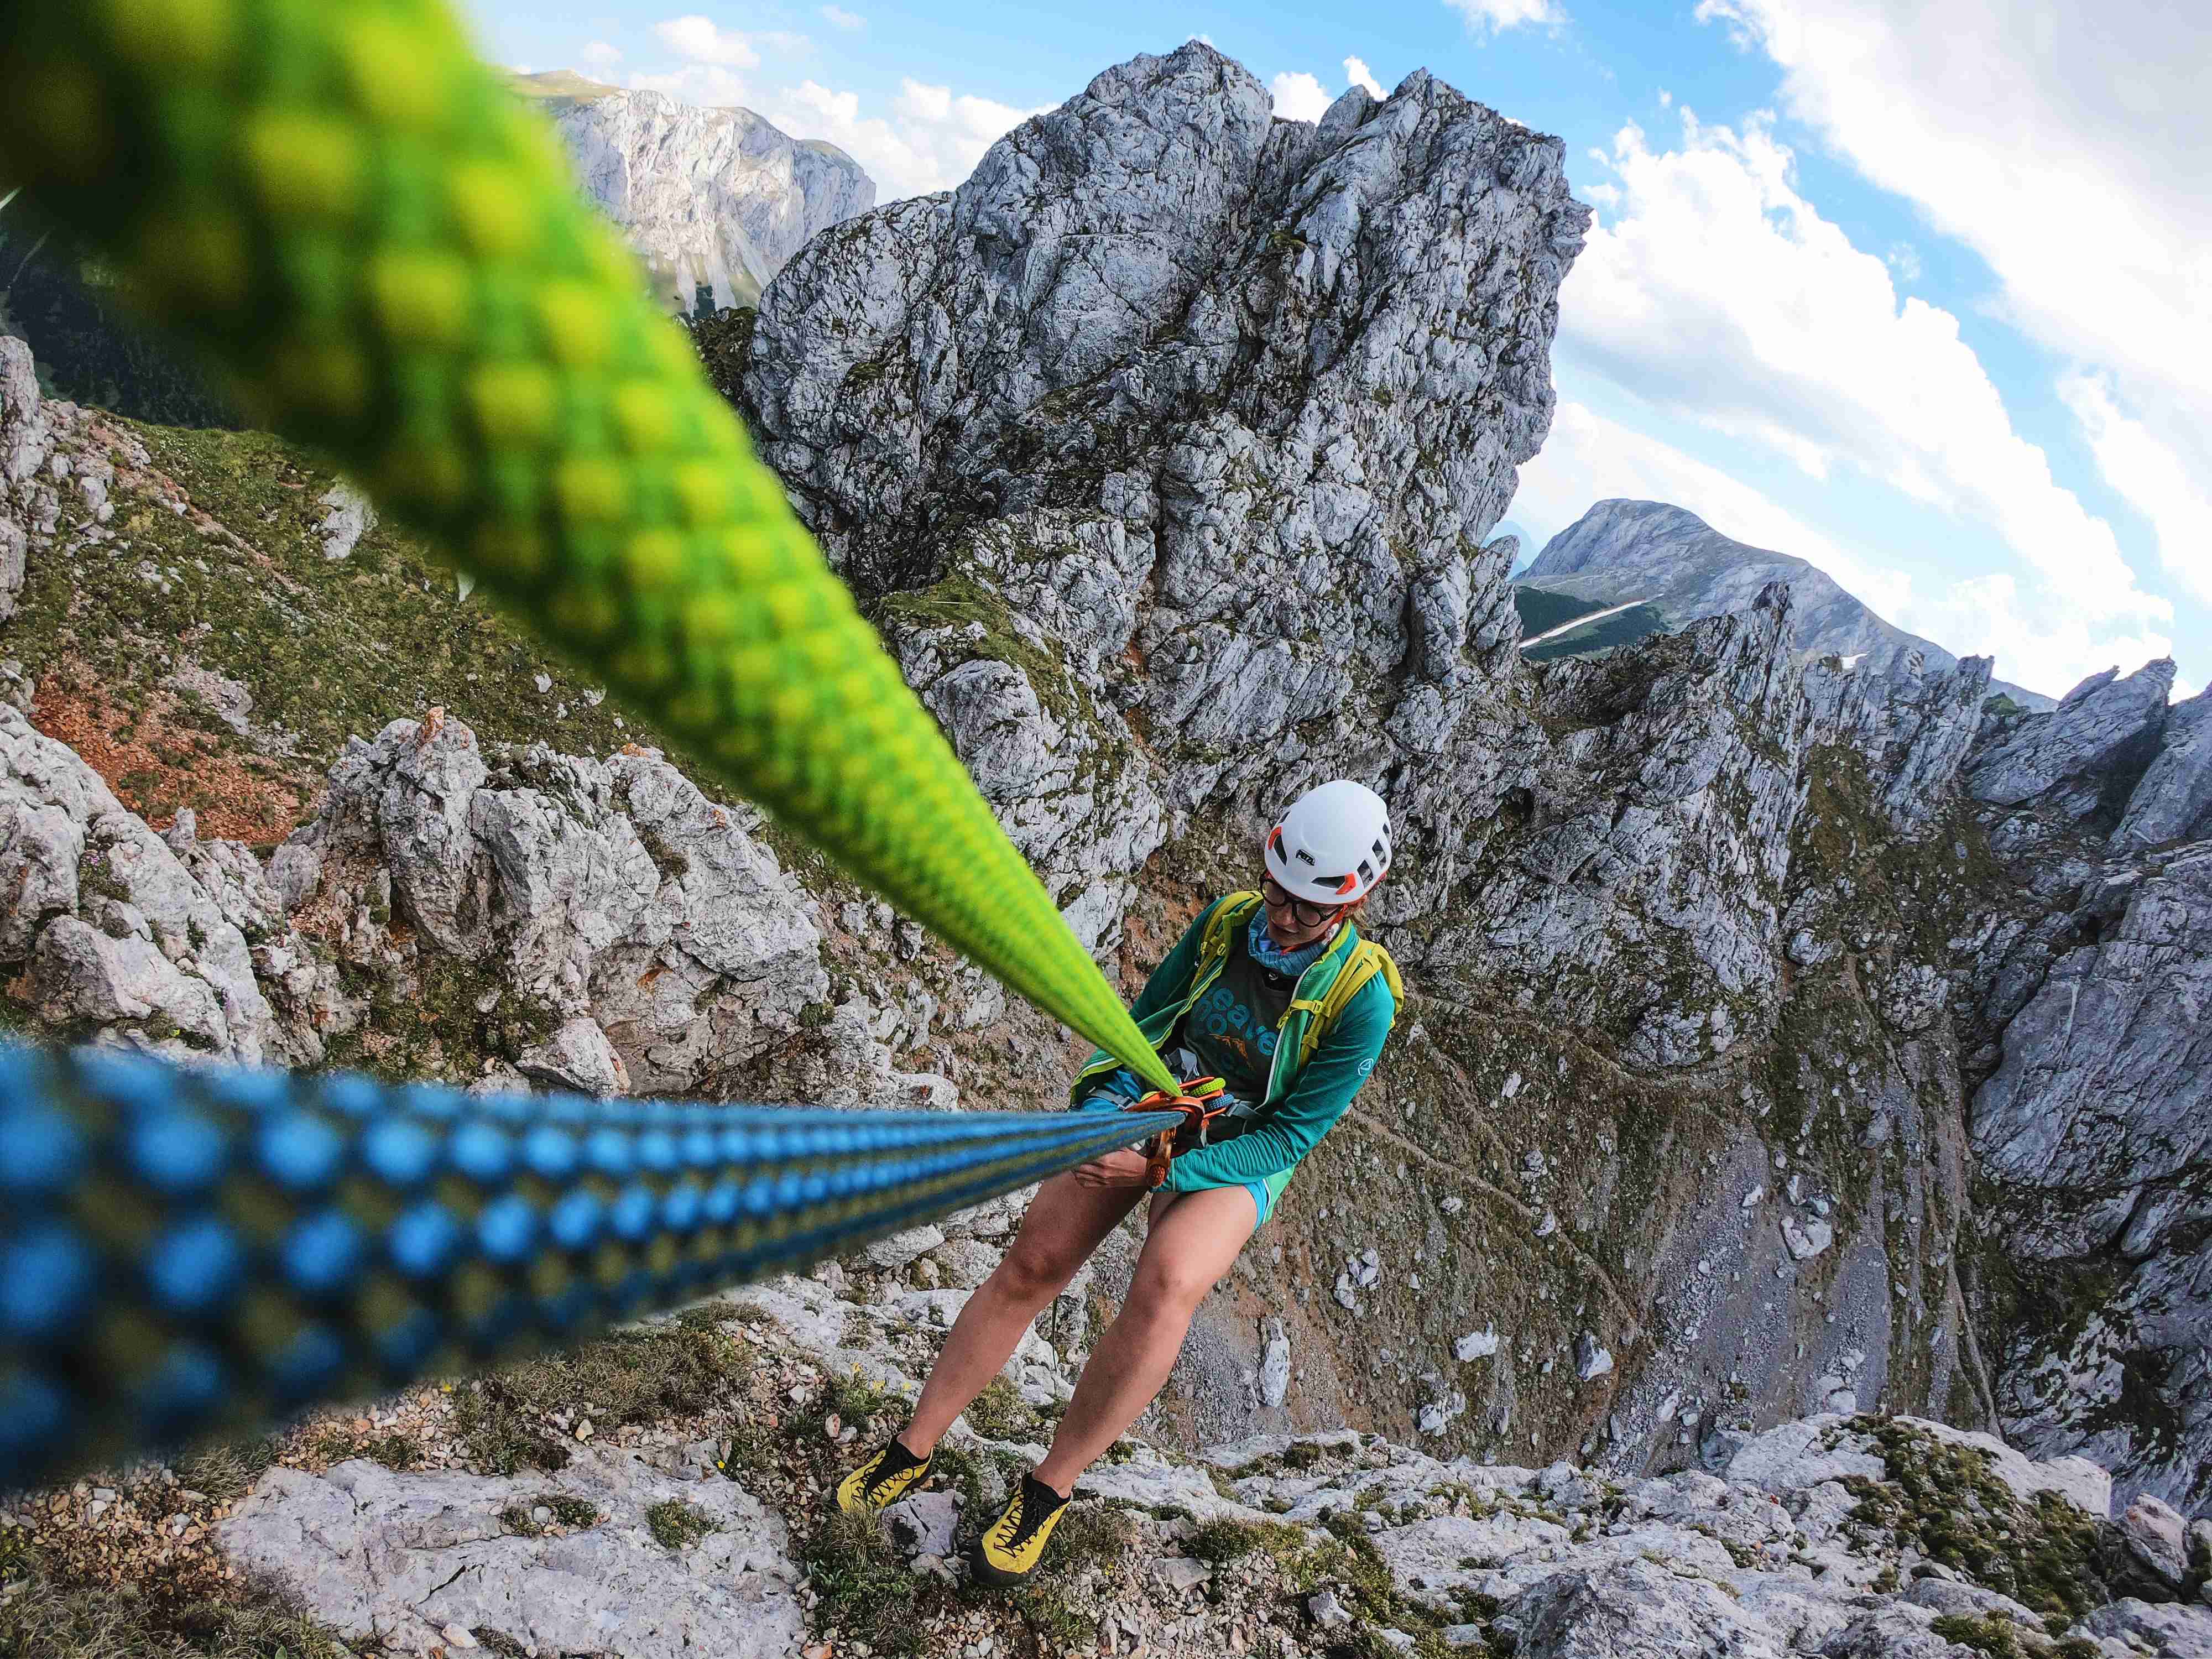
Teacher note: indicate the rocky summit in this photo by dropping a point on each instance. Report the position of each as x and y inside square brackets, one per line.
[717, 197]
[1779, 1223]
[1667, 566]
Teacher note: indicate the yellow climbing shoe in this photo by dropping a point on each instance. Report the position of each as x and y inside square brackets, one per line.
[1012, 1546]
[881, 1481]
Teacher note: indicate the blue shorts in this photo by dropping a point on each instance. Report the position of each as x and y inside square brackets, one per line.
[1266, 1192]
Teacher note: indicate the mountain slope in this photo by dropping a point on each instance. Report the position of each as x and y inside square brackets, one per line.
[712, 196]
[1623, 552]
[1709, 947]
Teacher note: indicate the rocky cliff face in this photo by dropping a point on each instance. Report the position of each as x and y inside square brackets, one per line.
[1187, 424]
[715, 195]
[1785, 1037]
[1623, 552]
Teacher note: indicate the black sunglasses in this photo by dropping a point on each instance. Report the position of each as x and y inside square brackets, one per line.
[1275, 895]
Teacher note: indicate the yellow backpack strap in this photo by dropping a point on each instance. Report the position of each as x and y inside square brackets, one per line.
[1367, 960]
[1232, 912]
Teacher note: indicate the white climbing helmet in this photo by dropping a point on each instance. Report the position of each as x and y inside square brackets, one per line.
[1333, 844]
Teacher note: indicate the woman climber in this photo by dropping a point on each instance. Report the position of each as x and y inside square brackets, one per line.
[1274, 993]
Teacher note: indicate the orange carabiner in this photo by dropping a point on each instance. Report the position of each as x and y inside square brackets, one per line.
[1198, 1115]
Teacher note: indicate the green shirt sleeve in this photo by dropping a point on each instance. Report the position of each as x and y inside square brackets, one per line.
[1324, 1089]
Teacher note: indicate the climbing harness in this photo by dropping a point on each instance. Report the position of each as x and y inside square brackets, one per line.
[190, 1249]
[385, 254]
[1198, 1104]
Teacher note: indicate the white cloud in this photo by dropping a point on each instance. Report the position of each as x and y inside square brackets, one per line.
[704, 41]
[600, 55]
[839, 18]
[1905, 259]
[1299, 97]
[1588, 458]
[1666, 98]
[930, 140]
[1483, 16]
[708, 85]
[2066, 144]
[2154, 478]
[1720, 296]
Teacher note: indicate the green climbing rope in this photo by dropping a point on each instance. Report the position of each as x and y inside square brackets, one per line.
[386, 250]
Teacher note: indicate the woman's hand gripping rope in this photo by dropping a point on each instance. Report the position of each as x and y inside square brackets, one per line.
[1198, 1102]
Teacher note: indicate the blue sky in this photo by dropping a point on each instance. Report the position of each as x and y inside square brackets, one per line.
[1922, 293]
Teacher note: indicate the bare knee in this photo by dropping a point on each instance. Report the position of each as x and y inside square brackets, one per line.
[1032, 1272]
[1167, 1290]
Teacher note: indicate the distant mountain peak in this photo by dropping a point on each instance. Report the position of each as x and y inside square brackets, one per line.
[718, 196]
[1675, 568]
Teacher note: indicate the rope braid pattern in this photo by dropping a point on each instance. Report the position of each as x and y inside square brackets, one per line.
[387, 254]
[186, 1250]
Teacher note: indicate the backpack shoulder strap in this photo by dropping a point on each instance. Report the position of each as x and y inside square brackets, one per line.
[1367, 960]
[1232, 912]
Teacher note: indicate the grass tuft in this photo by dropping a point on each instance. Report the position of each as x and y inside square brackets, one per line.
[1000, 1413]
[685, 1369]
[867, 1591]
[677, 1525]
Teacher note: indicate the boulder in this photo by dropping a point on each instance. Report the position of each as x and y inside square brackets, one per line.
[396, 1559]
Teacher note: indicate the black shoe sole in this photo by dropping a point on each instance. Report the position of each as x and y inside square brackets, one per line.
[996, 1577]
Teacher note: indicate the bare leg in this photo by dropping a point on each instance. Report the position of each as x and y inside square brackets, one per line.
[1192, 1242]
[1064, 1224]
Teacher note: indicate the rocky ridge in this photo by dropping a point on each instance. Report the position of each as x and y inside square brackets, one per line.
[1174, 417]
[1623, 551]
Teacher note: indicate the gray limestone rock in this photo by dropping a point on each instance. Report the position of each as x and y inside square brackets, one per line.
[650, 923]
[1913, 723]
[348, 516]
[116, 932]
[576, 1056]
[927, 1523]
[2173, 802]
[2106, 1076]
[706, 195]
[398, 1558]
[1635, 1609]
[1275, 1365]
[2157, 1537]
[965, 1263]
[25, 441]
[1899, 1631]
[1128, 419]
[899, 1249]
[2095, 744]
[2158, 1631]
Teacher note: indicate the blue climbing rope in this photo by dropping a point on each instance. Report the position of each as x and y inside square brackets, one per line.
[185, 1250]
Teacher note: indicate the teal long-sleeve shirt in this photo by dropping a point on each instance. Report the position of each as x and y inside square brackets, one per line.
[1324, 1089]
